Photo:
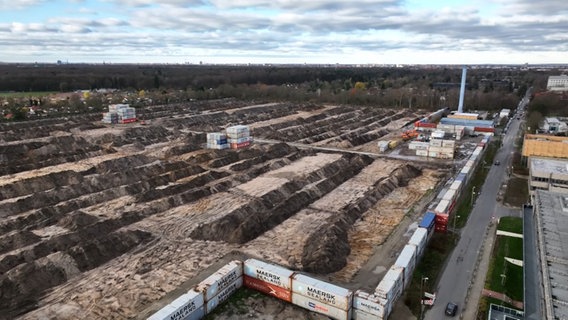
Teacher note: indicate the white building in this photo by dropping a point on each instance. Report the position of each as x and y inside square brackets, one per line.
[557, 83]
[548, 174]
[553, 125]
[504, 113]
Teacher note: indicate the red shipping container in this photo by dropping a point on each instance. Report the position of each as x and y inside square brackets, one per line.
[426, 125]
[268, 288]
[483, 129]
[128, 120]
[441, 228]
[441, 218]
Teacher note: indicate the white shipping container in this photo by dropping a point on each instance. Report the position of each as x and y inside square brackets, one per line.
[418, 145]
[319, 307]
[450, 195]
[223, 295]
[432, 154]
[390, 287]
[221, 279]
[435, 143]
[407, 260]
[446, 155]
[322, 291]
[418, 239]
[456, 185]
[438, 134]
[442, 206]
[422, 153]
[449, 144]
[185, 307]
[362, 315]
[371, 304]
[270, 273]
[465, 170]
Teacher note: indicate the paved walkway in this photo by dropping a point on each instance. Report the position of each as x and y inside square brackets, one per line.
[478, 282]
[503, 297]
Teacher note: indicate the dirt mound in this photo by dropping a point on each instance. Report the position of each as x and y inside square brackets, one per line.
[327, 248]
[269, 210]
[77, 220]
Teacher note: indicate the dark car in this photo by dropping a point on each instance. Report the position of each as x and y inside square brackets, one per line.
[451, 309]
[497, 162]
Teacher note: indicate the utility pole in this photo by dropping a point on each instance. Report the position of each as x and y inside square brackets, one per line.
[472, 196]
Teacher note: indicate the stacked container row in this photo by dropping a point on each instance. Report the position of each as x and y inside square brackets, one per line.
[217, 140]
[368, 306]
[219, 286]
[239, 136]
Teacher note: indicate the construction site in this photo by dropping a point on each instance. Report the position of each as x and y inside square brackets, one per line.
[110, 220]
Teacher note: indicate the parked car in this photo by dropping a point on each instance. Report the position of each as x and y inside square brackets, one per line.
[451, 309]
[497, 162]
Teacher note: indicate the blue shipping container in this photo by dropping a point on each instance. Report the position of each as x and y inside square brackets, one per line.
[428, 220]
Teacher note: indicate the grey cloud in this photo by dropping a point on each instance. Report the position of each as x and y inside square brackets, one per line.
[18, 4]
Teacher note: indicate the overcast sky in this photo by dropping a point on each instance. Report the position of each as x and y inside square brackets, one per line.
[285, 31]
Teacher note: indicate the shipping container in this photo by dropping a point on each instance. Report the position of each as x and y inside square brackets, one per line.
[419, 239]
[456, 185]
[441, 218]
[442, 207]
[462, 177]
[442, 228]
[322, 291]
[435, 143]
[371, 304]
[220, 280]
[428, 220]
[390, 287]
[418, 145]
[189, 306]
[425, 125]
[223, 295]
[407, 260]
[483, 129]
[270, 273]
[362, 315]
[319, 307]
[438, 134]
[432, 154]
[422, 153]
[268, 288]
[449, 144]
[450, 195]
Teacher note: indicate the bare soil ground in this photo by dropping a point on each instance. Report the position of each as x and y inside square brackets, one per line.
[111, 222]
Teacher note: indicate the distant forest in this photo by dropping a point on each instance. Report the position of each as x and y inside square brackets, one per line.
[411, 87]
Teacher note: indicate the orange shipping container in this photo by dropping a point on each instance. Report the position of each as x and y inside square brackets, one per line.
[268, 288]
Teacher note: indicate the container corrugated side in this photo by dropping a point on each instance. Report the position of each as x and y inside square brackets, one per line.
[442, 206]
[418, 239]
[267, 288]
[390, 286]
[221, 279]
[223, 295]
[270, 273]
[188, 306]
[406, 257]
[319, 307]
[407, 260]
[165, 313]
[435, 143]
[362, 315]
[322, 291]
[371, 303]
[422, 153]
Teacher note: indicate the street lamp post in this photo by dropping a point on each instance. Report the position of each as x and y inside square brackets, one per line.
[422, 280]
[472, 195]
[456, 217]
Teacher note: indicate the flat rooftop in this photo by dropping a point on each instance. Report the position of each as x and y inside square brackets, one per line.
[548, 165]
[553, 210]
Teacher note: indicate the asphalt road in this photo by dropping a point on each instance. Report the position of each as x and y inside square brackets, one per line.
[459, 269]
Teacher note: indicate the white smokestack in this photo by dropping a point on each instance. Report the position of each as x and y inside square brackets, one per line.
[462, 90]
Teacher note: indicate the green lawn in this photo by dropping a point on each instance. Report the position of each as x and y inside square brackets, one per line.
[504, 276]
[511, 224]
[26, 94]
[237, 303]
